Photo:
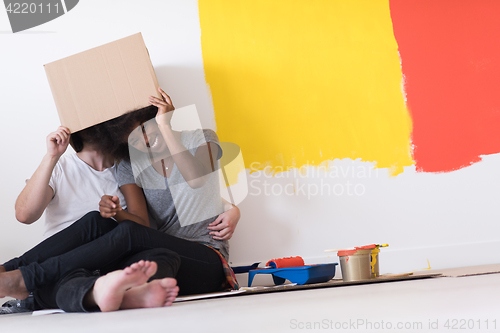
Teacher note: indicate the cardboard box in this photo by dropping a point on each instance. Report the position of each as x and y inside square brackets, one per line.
[102, 83]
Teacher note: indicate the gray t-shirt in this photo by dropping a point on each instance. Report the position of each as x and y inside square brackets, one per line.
[173, 205]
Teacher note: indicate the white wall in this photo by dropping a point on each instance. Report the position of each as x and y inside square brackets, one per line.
[449, 219]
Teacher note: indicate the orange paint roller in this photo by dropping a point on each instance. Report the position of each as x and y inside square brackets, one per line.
[286, 262]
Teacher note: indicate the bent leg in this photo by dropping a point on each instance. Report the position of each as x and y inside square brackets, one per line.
[109, 290]
[201, 269]
[68, 293]
[73, 287]
[90, 227]
[127, 288]
[168, 262]
[81, 291]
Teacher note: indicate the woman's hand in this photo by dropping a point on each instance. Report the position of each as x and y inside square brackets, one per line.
[109, 206]
[164, 105]
[223, 227]
[57, 142]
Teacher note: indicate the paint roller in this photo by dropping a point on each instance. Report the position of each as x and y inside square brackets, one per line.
[286, 262]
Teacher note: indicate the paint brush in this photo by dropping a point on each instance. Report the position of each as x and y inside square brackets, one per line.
[353, 248]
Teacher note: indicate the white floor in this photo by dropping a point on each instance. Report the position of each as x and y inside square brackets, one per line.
[468, 302]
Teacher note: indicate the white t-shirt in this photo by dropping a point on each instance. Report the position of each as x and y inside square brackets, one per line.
[78, 188]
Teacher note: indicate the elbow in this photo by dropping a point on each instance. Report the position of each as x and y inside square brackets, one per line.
[23, 218]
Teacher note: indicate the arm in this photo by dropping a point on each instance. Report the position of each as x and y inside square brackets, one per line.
[194, 169]
[137, 210]
[37, 193]
[225, 225]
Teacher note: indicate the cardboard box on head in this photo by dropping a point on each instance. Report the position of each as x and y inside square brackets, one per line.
[102, 83]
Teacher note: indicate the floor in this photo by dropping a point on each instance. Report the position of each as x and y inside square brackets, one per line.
[468, 303]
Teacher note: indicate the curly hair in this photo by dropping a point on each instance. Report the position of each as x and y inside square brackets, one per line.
[110, 137]
[95, 136]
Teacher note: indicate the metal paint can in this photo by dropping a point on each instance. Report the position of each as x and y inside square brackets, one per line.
[355, 264]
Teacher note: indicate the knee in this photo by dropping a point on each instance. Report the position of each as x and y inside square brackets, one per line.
[93, 215]
[168, 262]
[129, 227]
[161, 254]
[94, 221]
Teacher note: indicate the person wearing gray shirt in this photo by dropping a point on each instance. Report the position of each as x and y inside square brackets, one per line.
[175, 207]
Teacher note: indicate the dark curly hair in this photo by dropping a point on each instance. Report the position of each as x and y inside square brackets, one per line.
[110, 137]
[95, 136]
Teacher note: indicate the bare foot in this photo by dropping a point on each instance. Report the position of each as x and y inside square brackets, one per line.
[156, 293]
[12, 284]
[109, 289]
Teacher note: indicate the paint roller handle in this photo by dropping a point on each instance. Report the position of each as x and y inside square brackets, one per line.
[352, 248]
[340, 249]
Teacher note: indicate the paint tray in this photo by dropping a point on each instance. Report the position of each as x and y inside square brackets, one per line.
[299, 275]
[244, 269]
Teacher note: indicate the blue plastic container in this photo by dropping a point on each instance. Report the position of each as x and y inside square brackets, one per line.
[245, 269]
[299, 275]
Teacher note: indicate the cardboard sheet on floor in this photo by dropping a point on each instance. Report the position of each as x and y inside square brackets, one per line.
[47, 312]
[292, 286]
[339, 283]
[466, 271]
[209, 295]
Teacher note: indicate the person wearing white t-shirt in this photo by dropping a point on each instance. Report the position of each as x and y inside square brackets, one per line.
[68, 186]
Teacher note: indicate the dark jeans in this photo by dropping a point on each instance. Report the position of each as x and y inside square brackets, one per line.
[88, 228]
[105, 245]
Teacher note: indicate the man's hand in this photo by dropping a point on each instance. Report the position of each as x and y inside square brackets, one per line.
[223, 227]
[109, 206]
[57, 142]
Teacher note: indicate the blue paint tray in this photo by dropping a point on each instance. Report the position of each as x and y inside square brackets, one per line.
[299, 275]
[244, 269]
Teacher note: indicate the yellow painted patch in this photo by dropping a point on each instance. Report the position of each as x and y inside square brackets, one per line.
[301, 82]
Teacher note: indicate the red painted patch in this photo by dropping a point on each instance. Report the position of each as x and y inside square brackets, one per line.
[450, 52]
